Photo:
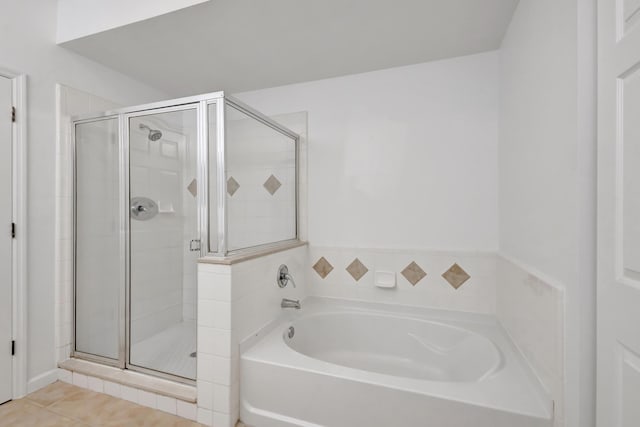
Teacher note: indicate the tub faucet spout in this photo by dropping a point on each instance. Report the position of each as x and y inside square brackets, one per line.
[290, 303]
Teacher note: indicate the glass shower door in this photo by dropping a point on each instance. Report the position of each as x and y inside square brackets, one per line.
[164, 240]
[99, 258]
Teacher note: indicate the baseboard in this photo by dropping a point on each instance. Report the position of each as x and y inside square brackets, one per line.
[42, 380]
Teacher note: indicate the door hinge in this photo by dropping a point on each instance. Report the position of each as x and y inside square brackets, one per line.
[13, 114]
[13, 347]
[13, 230]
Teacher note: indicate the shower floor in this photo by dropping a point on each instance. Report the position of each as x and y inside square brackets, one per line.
[168, 351]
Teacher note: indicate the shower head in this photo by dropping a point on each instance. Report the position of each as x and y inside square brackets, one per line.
[154, 134]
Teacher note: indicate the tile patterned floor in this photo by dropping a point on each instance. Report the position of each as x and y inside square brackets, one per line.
[64, 405]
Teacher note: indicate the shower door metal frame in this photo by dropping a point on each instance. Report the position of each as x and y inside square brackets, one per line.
[124, 309]
[74, 352]
[201, 200]
[222, 193]
[201, 103]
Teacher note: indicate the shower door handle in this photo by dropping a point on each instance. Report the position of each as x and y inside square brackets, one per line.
[194, 245]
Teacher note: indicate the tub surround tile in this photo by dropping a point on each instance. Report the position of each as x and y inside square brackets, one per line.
[456, 276]
[193, 187]
[232, 186]
[323, 267]
[413, 273]
[255, 302]
[531, 308]
[272, 184]
[357, 269]
[415, 283]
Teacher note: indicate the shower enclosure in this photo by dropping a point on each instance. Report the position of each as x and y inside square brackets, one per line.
[156, 187]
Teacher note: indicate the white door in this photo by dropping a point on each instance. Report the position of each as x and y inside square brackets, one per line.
[6, 243]
[618, 402]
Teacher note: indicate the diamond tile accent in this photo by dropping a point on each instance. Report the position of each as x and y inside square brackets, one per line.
[413, 273]
[272, 185]
[456, 276]
[357, 269]
[232, 186]
[193, 187]
[323, 267]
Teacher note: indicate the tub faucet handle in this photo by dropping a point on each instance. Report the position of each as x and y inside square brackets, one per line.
[284, 277]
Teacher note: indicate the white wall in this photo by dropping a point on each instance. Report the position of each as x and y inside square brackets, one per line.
[80, 18]
[400, 158]
[547, 170]
[31, 49]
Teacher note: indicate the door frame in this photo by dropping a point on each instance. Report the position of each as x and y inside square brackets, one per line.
[123, 116]
[19, 246]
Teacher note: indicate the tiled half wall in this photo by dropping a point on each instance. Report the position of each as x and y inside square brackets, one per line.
[235, 301]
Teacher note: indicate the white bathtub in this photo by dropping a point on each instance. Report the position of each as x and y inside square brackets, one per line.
[360, 364]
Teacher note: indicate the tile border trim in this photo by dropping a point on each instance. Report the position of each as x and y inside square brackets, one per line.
[248, 255]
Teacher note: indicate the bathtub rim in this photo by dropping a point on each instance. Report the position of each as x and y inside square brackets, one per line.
[456, 317]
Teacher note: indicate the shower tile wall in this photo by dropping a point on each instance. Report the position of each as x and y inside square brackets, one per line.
[73, 102]
[260, 183]
[162, 290]
[156, 278]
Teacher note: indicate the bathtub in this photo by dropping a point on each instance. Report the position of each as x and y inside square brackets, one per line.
[340, 363]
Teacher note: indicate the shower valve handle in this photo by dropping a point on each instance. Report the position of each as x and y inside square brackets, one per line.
[284, 277]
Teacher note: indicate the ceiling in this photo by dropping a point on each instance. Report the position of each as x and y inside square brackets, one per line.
[239, 45]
